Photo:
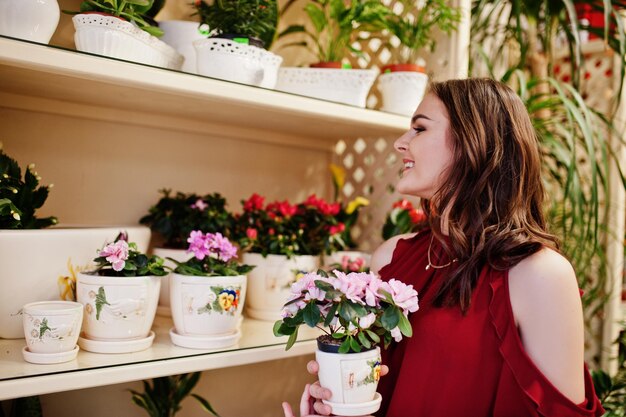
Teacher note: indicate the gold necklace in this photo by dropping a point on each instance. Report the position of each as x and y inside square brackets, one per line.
[430, 265]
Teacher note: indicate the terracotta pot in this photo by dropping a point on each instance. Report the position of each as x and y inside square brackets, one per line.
[403, 68]
[337, 65]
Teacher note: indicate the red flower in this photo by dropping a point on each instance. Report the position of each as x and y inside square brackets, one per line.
[417, 216]
[255, 202]
[403, 204]
[337, 229]
[251, 233]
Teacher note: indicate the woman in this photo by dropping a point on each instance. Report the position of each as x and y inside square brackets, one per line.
[500, 328]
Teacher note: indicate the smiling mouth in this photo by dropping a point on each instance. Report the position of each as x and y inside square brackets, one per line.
[409, 164]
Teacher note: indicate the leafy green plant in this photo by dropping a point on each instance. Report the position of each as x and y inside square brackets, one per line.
[21, 197]
[163, 397]
[174, 217]
[134, 11]
[403, 218]
[415, 31]
[612, 390]
[243, 18]
[336, 25]
[122, 259]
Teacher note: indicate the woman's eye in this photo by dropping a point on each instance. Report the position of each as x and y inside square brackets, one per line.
[418, 129]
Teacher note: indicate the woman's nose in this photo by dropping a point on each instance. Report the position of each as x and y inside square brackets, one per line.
[402, 143]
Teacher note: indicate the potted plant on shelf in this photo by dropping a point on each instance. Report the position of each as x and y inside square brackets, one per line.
[284, 241]
[333, 30]
[174, 217]
[55, 253]
[120, 297]
[402, 84]
[360, 312]
[120, 29]
[239, 30]
[33, 20]
[208, 293]
[403, 218]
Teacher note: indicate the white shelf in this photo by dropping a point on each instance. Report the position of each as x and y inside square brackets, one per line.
[38, 77]
[257, 344]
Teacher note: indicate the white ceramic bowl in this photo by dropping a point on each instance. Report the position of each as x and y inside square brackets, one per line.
[180, 35]
[230, 60]
[33, 20]
[402, 91]
[52, 326]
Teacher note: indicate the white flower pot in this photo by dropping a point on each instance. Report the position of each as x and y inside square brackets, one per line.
[232, 61]
[117, 308]
[352, 378]
[117, 38]
[270, 282]
[33, 20]
[180, 255]
[52, 326]
[271, 63]
[402, 91]
[206, 306]
[36, 265]
[348, 86]
[337, 257]
[180, 35]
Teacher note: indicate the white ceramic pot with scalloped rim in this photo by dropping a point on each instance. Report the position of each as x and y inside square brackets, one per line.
[33, 20]
[402, 91]
[180, 255]
[180, 35]
[55, 257]
[269, 283]
[229, 60]
[117, 308]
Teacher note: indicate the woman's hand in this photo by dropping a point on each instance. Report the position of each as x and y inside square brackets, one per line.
[311, 400]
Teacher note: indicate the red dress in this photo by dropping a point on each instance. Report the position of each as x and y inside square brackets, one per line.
[465, 366]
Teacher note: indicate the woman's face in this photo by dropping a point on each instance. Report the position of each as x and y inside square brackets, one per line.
[426, 149]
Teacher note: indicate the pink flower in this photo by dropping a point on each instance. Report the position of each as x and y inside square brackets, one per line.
[337, 229]
[251, 233]
[197, 245]
[199, 205]
[116, 253]
[352, 285]
[396, 334]
[404, 296]
[221, 246]
[366, 321]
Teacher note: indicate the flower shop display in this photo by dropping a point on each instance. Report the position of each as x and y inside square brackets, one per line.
[54, 255]
[33, 20]
[403, 218]
[357, 312]
[403, 84]
[239, 30]
[208, 293]
[51, 329]
[120, 298]
[180, 35]
[334, 28]
[119, 29]
[284, 241]
[173, 218]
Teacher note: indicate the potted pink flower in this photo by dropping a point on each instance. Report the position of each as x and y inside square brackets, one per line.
[357, 312]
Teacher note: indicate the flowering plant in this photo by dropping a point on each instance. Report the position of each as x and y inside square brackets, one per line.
[403, 218]
[350, 264]
[347, 215]
[359, 309]
[122, 259]
[175, 216]
[214, 255]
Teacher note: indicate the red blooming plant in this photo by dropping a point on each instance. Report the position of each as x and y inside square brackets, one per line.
[403, 218]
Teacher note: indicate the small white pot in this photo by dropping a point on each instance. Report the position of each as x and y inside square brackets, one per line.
[229, 60]
[206, 306]
[179, 255]
[180, 35]
[352, 378]
[117, 308]
[271, 63]
[117, 38]
[402, 91]
[33, 20]
[348, 86]
[56, 255]
[352, 255]
[52, 326]
[270, 282]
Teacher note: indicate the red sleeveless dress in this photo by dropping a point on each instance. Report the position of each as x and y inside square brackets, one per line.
[465, 366]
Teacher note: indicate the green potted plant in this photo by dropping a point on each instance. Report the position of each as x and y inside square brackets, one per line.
[56, 253]
[357, 312]
[120, 296]
[174, 217]
[403, 82]
[122, 29]
[239, 30]
[403, 218]
[334, 27]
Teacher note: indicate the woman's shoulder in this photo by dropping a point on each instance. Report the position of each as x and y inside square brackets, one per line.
[383, 255]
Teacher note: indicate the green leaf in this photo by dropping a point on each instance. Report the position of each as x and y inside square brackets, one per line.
[331, 314]
[101, 300]
[373, 336]
[405, 325]
[292, 339]
[345, 346]
[205, 405]
[363, 339]
[390, 318]
[311, 314]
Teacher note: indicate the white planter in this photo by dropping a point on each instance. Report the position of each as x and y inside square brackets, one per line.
[180, 35]
[117, 308]
[180, 255]
[402, 91]
[117, 38]
[352, 378]
[348, 86]
[337, 257]
[52, 326]
[33, 262]
[207, 306]
[33, 20]
[232, 61]
[269, 283]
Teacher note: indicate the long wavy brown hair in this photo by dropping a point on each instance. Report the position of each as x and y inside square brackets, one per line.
[493, 193]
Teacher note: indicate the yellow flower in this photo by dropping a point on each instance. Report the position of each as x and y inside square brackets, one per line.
[356, 203]
[226, 301]
[339, 175]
